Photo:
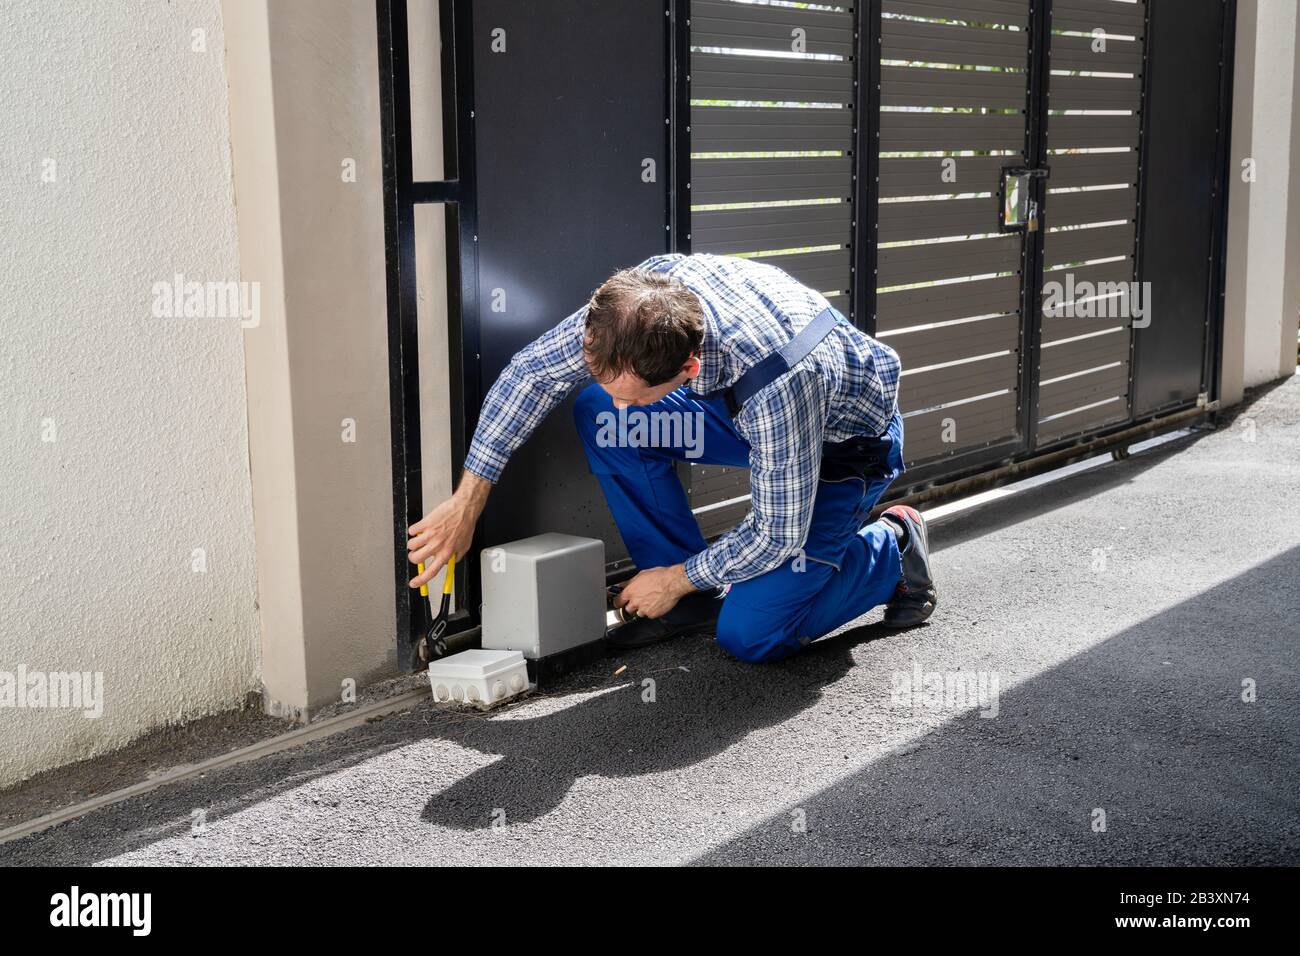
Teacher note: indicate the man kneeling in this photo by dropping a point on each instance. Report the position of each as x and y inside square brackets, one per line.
[725, 361]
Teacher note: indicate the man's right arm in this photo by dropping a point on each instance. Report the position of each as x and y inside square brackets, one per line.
[537, 379]
[448, 529]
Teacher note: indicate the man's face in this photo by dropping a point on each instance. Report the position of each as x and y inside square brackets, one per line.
[630, 389]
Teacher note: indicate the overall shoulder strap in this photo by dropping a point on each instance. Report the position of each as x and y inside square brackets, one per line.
[787, 357]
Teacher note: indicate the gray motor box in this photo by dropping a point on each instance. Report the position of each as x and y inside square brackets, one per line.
[543, 595]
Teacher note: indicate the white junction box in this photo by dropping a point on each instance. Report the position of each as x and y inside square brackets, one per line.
[543, 595]
[479, 677]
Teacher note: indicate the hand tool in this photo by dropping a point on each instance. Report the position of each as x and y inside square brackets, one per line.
[432, 643]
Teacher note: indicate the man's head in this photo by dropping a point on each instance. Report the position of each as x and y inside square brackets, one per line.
[644, 331]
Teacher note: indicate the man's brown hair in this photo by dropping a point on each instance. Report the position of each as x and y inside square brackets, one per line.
[643, 322]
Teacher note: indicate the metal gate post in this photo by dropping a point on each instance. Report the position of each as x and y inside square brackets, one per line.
[1032, 257]
[1213, 369]
[401, 194]
[866, 164]
[679, 120]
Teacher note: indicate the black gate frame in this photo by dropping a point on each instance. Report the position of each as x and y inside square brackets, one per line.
[997, 464]
[402, 193]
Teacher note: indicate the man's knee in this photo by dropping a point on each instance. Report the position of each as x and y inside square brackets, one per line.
[752, 640]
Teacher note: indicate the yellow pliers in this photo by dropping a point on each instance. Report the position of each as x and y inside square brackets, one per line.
[432, 644]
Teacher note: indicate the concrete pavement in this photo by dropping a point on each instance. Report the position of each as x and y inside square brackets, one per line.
[1123, 612]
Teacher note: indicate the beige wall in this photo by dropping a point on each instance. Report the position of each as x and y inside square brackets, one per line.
[305, 100]
[126, 528]
[1262, 296]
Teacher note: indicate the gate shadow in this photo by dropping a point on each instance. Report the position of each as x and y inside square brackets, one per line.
[1149, 727]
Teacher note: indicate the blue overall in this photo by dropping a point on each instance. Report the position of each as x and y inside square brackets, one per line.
[844, 568]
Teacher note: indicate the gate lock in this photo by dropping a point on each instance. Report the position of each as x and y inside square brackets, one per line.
[1017, 209]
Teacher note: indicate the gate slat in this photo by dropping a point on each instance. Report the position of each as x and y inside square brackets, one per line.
[1055, 329]
[908, 176]
[941, 303]
[928, 389]
[759, 129]
[949, 343]
[911, 132]
[1091, 132]
[1113, 412]
[1065, 323]
[1076, 392]
[774, 227]
[1068, 358]
[927, 262]
[1081, 245]
[1077, 53]
[710, 484]
[1093, 169]
[1010, 12]
[759, 180]
[751, 26]
[829, 271]
[1101, 205]
[716, 522]
[937, 219]
[1113, 16]
[927, 86]
[721, 76]
[1094, 93]
[944, 43]
[977, 423]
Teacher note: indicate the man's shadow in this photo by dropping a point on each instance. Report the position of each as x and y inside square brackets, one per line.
[701, 702]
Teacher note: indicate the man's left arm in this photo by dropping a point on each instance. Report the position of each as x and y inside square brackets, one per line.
[784, 424]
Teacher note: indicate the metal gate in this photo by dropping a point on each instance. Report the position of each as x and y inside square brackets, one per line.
[957, 92]
[1015, 337]
[773, 165]
[1092, 145]
[934, 167]
[986, 102]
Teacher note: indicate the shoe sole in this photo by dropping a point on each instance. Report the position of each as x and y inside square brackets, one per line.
[927, 608]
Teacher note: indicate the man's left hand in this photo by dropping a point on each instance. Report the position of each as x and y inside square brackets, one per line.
[655, 591]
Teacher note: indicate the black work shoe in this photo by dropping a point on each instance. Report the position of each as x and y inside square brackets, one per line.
[916, 597]
[639, 632]
[694, 614]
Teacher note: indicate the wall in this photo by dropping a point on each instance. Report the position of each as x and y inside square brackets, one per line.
[124, 478]
[1262, 297]
[305, 134]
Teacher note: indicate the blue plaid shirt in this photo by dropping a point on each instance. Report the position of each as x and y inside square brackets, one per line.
[847, 387]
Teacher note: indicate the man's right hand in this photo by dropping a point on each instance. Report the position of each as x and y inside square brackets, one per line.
[448, 529]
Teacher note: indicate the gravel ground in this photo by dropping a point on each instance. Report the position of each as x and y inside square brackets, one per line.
[1120, 610]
